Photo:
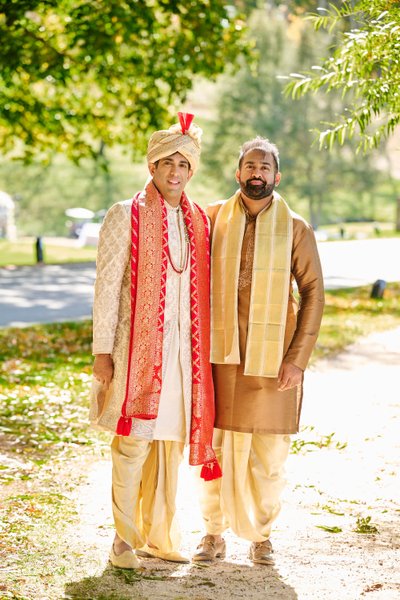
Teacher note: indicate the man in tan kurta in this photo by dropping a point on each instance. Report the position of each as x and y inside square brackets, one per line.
[146, 388]
[261, 342]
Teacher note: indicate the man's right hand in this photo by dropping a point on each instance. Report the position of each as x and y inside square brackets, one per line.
[103, 369]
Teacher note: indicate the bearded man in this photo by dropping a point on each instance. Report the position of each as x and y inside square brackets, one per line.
[152, 382]
[261, 342]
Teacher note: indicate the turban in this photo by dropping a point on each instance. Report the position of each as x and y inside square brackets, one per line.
[183, 137]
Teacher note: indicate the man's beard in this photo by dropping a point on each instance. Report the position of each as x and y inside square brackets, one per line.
[256, 192]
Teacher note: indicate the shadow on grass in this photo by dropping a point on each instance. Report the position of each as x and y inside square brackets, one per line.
[176, 582]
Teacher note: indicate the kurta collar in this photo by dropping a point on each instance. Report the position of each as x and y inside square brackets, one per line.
[249, 217]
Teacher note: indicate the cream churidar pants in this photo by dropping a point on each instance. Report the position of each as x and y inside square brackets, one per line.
[247, 497]
[144, 485]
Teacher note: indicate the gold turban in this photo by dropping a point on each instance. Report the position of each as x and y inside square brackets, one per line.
[183, 137]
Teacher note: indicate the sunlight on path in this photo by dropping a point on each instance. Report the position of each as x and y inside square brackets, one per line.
[351, 407]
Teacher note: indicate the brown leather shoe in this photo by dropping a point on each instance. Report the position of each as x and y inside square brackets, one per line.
[209, 549]
[260, 553]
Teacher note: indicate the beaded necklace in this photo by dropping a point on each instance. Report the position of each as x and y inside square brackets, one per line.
[185, 259]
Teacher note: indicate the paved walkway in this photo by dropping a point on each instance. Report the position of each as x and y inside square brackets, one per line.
[351, 408]
[50, 293]
[46, 293]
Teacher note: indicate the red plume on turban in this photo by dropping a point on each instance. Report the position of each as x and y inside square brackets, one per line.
[183, 137]
[185, 120]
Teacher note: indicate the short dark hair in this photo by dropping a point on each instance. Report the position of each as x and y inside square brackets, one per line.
[263, 144]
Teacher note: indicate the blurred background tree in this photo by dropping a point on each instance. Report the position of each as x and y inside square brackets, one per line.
[252, 103]
[364, 67]
[85, 83]
[77, 76]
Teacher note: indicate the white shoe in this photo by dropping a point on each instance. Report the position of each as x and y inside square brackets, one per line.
[148, 552]
[125, 560]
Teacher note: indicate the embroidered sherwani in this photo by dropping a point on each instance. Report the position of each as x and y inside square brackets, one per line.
[145, 464]
[111, 328]
[253, 419]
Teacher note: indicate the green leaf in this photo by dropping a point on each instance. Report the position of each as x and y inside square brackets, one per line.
[330, 529]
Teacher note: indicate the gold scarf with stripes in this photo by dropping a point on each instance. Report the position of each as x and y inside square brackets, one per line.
[269, 286]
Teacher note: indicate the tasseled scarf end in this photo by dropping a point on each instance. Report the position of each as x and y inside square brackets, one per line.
[124, 426]
[210, 471]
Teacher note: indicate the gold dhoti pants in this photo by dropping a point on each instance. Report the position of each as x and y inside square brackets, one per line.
[144, 485]
[247, 497]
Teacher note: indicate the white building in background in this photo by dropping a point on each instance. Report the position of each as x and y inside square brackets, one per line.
[7, 217]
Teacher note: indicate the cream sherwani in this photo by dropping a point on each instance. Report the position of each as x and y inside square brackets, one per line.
[145, 464]
[111, 328]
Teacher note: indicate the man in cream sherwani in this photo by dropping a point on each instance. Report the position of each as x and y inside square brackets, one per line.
[152, 383]
[261, 341]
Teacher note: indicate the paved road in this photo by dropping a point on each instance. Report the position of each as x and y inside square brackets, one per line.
[353, 263]
[46, 294]
[49, 293]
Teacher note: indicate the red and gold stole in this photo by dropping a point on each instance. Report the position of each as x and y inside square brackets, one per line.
[149, 259]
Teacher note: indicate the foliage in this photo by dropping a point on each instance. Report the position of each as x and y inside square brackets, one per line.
[364, 525]
[45, 374]
[356, 230]
[364, 68]
[43, 192]
[31, 526]
[44, 386]
[249, 102]
[330, 528]
[44, 435]
[252, 103]
[351, 313]
[290, 6]
[301, 445]
[46, 370]
[332, 510]
[76, 76]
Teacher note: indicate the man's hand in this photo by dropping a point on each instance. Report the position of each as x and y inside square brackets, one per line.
[103, 369]
[289, 376]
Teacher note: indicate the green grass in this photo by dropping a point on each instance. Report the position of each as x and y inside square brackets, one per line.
[23, 253]
[46, 370]
[350, 314]
[360, 230]
[45, 440]
[302, 445]
[44, 382]
[364, 525]
[45, 443]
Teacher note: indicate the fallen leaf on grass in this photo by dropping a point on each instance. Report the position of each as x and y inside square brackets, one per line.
[330, 529]
[364, 525]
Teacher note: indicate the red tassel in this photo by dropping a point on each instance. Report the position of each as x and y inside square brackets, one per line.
[124, 426]
[185, 120]
[211, 471]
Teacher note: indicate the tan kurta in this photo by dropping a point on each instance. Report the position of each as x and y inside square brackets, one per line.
[254, 404]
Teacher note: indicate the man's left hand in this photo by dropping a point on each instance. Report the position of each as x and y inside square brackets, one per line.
[289, 376]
